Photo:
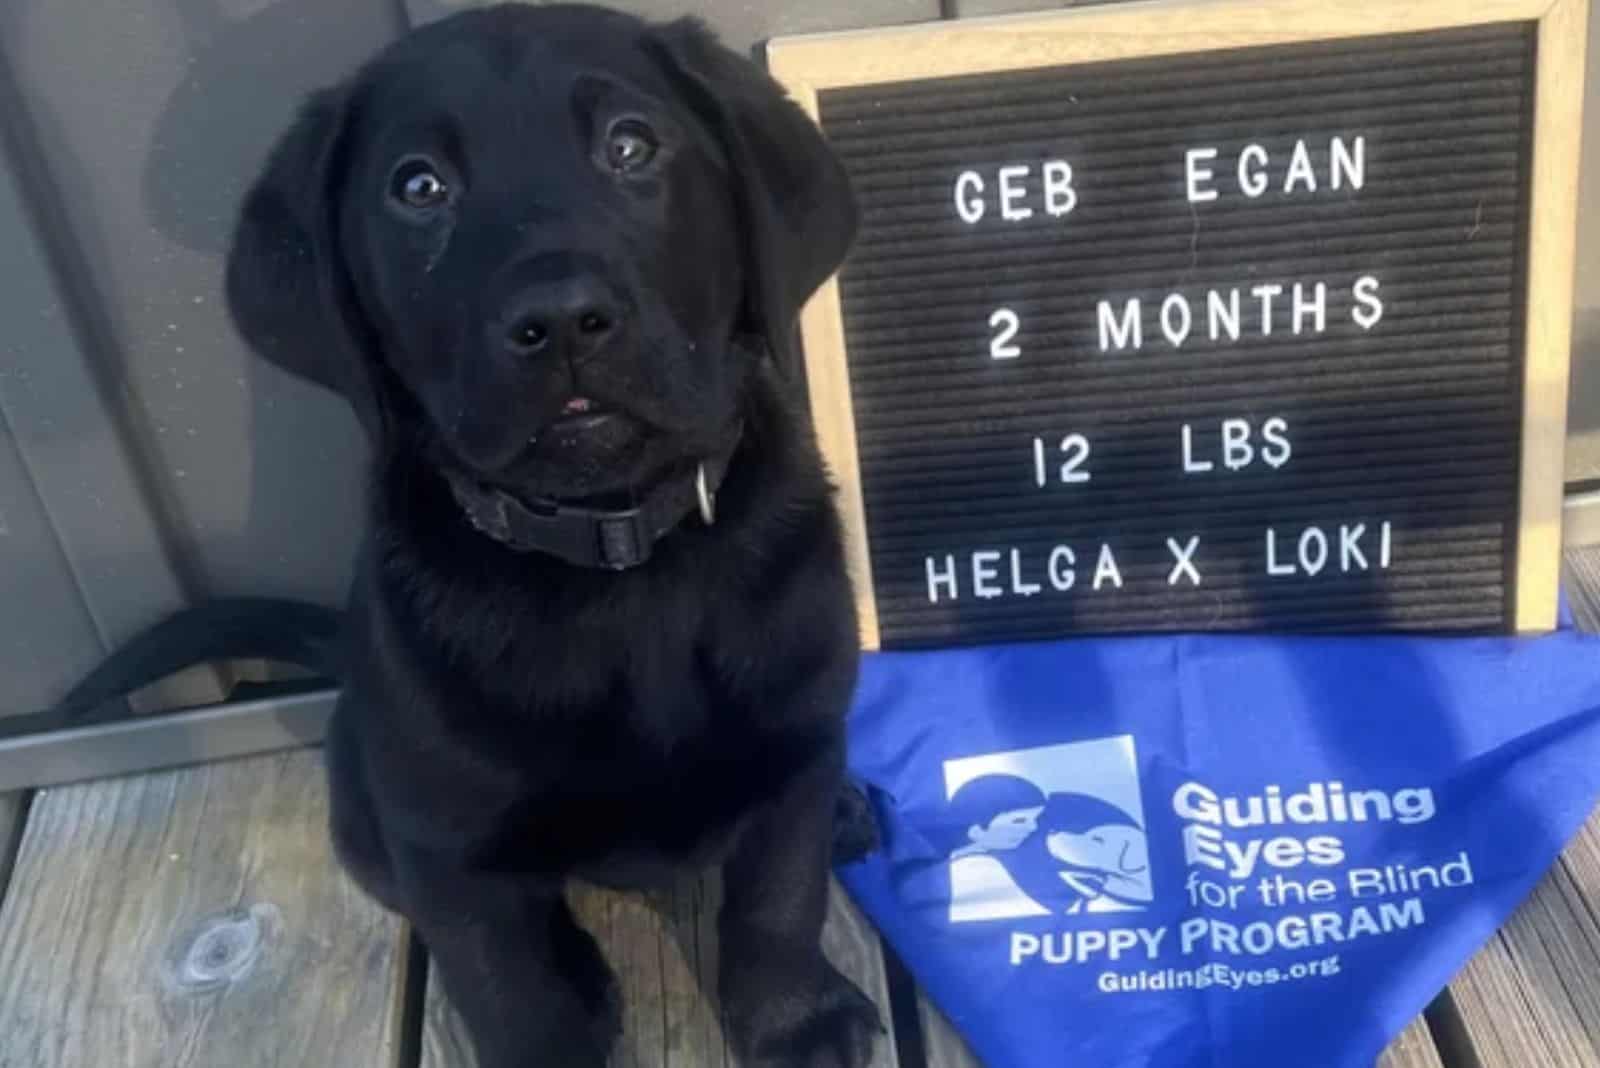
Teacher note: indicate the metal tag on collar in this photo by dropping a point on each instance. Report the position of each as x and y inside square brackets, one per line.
[623, 540]
[708, 499]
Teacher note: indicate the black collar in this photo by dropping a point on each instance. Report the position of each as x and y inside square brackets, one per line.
[593, 537]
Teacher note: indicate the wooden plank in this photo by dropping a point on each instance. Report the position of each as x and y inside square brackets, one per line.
[1580, 520]
[193, 918]
[661, 950]
[1532, 996]
[11, 809]
[1413, 1049]
[947, 1049]
[1103, 33]
[833, 417]
[943, 1046]
[1583, 408]
[1557, 137]
[1583, 586]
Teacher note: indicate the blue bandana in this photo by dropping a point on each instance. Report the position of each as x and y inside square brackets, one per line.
[1184, 851]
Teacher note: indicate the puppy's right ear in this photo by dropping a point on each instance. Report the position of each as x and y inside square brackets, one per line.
[287, 287]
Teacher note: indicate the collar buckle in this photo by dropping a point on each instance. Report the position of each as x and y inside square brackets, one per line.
[622, 541]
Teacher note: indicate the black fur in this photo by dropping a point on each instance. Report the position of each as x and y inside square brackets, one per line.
[507, 721]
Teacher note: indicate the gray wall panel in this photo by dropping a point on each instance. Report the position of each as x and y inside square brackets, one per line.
[973, 8]
[45, 632]
[82, 562]
[1583, 451]
[149, 118]
[743, 23]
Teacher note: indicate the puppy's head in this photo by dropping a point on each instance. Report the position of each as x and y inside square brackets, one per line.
[545, 245]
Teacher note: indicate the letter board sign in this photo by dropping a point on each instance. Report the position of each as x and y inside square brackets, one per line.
[1200, 316]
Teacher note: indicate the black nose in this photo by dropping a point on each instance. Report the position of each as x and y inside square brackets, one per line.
[569, 318]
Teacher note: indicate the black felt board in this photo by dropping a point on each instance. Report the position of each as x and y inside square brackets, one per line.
[1414, 422]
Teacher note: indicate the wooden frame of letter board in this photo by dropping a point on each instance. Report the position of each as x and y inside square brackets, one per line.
[806, 65]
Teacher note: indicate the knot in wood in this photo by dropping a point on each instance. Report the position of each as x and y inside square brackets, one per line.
[219, 950]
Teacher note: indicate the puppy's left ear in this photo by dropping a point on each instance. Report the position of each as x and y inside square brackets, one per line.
[796, 202]
[288, 289]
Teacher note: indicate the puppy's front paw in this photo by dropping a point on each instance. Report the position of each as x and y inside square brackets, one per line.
[841, 1031]
[856, 834]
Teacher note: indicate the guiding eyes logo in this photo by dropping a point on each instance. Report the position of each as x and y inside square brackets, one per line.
[1051, 831]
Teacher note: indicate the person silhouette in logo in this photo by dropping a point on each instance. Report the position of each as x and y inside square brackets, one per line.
[999, 812]
[987, 818]
[1067, 852]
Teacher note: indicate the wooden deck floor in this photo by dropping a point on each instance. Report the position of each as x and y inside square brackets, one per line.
[195, 919]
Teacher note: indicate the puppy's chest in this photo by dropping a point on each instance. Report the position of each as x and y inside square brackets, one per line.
[658, 752]
[634, 717]
[651, 680]
[658, 776]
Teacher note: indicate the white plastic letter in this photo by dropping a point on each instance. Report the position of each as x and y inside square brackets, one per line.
[1184, 555]
[1300, 169]
[1106, 569]
[984, 573]
[1264, 293]
[1011, 192]
[1277, 450]
[1019, 587]
[1313, 550]
[1369, 310]
[1191, 466]
[1273, 567]
[1129, 331]
[1237, 452]
[1076, 449]
[1350, 547]
[969, 197]
[1197, 174]
[1317, 307]
[1253, 181]
[1003, 345]
[1062, 568]
[1059, 196]
[1224, 317]
[942, 578]
[1346, 165]
[1176, 327]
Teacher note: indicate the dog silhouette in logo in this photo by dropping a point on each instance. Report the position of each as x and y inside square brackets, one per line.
[1065, 851]
[1098, 850]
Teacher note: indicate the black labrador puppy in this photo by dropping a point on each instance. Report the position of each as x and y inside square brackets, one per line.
[601, 626]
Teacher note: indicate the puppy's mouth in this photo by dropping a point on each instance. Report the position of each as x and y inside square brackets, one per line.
[579, 412]
[583, 431]
[578, 417]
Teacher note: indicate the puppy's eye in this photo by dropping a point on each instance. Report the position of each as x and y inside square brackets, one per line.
[418, 186]
[630, 145]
